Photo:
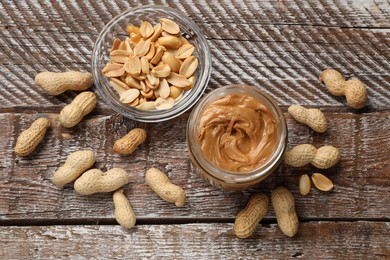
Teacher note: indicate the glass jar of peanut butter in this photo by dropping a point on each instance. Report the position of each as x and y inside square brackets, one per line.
[236, 137]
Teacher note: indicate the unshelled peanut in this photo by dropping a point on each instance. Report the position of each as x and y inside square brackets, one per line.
[56, 83]
[73, 113]
[313, 118]
[124, 214]
[29, 139]
[247, 219]
[353, 89]
[161, 185]
[322, 158]
[94, 181]
[76, 163]
[284, 207]
[129, 143]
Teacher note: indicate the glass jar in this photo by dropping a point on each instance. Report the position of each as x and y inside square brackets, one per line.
[222, 178]
[116, 29]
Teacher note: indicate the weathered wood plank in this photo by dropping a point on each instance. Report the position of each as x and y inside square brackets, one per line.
[265, 44]
[361, 178]
[88, 14]
[328, 240]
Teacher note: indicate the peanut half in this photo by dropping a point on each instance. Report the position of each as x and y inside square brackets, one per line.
[189, 66]
[161, 71]
[161, 185]
[129, 143]
[157, 32]
[142, 48]
[175, 92]
[169, 26]
[164, 103]
[146, 29]
[172, 61]
[322, 158]
[170, 42]
[147, 106]
[178, 80]
[113, 70]
[29, 139]
[73, 113]
[322, 182]
[164, 90]
[284, 207]
[124, 214]
[94, 181]
[185, 51]
[133, 29]
[56, 83]
[248, 218]
[304, 184]
[129, 96]
[76, 163]
[120, 56]
[133, 65]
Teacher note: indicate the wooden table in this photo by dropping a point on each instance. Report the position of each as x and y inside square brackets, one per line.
[280, 47]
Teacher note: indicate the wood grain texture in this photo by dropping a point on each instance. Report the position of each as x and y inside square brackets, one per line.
[361, 240]
[361, 178]
[279, 46]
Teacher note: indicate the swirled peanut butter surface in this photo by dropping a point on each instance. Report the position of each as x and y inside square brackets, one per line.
[237, 133]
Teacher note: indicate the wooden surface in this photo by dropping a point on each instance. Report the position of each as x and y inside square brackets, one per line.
[199, 241]
[279, 46]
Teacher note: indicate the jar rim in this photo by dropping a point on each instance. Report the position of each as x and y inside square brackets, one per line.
[257, 174]
[187, 101]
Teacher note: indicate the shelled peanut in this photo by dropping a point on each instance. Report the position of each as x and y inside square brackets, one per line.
[304, 184]
[322, 182]
[153, 67]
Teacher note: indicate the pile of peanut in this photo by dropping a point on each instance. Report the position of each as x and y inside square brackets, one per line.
[299, 156]
[75, 168]
[325, 156]
[152, 67]
[284, 206]
[55, 84]
[89, 181]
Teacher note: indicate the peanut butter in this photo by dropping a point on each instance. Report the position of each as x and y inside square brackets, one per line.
[237, 133]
